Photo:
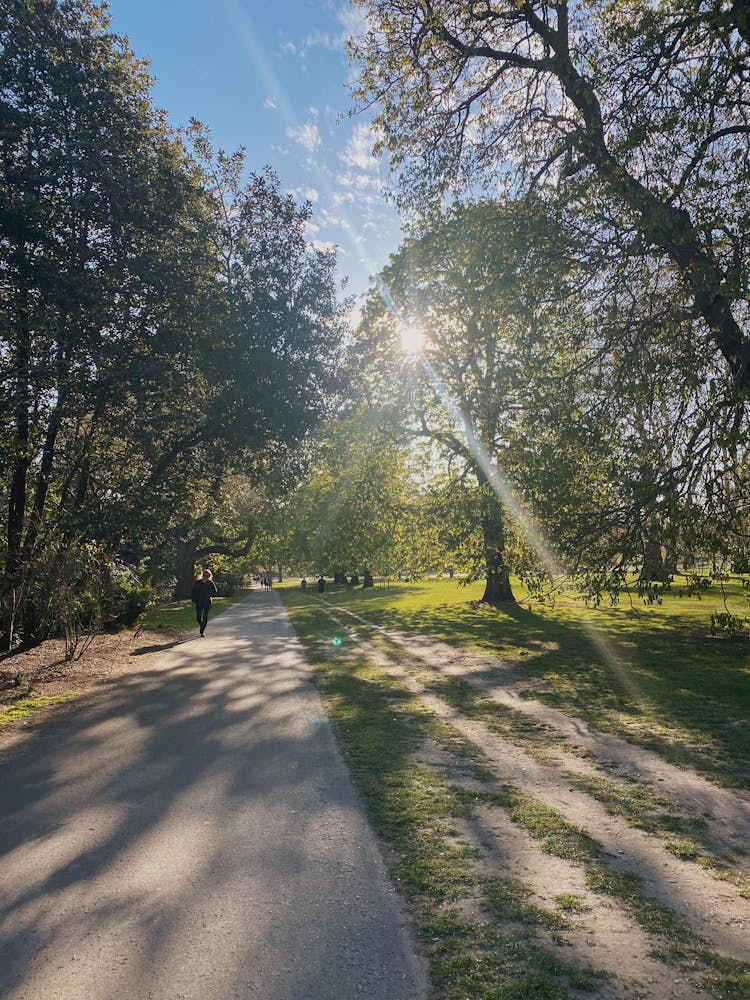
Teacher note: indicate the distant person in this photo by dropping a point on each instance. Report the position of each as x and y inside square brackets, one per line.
[303, 583]
[204, 589]
[321, 584]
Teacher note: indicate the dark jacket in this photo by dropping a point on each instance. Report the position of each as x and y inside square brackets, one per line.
[202, 592]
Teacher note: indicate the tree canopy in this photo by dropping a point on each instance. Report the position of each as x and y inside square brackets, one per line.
[163, 322]
[637, 115]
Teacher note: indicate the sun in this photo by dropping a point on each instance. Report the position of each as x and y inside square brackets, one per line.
[412, 339]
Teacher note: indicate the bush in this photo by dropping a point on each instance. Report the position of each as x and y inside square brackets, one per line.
[725, 621]
[136, 600]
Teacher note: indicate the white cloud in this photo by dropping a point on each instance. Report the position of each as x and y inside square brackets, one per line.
[271, 104]
[325, 245]
[360, 182]
[353, 20]
[289, 47]
[358, 149]
[306, 135]
[310, 194]
[353, 24]
[328, 218]
[324, 38]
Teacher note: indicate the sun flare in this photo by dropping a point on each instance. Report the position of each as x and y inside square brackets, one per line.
[412, 339]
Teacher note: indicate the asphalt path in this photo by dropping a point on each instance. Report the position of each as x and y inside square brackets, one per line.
[192, 833]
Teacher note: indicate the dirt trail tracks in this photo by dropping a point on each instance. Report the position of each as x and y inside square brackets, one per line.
[662, 883]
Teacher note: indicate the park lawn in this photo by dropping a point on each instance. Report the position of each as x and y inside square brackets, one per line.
[181, 614]
[418, 806]
[415, 808]
[652, 673]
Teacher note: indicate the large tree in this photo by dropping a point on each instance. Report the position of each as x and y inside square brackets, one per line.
[636, 113]
[481, 285]
[273, 348]
[354, 511]
[163, 322]
[99, 239]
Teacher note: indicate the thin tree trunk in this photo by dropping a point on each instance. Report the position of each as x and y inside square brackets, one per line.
[186, 548]
[17, 493]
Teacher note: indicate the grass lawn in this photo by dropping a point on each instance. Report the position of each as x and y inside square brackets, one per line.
[652, 673]
[181, 614]
[415, 809]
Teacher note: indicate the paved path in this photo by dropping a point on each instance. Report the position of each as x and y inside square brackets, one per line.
[193, 833]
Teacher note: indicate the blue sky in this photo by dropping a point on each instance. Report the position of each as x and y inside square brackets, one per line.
[271, 75]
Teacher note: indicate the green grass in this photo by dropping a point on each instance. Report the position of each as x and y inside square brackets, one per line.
[26, 706]
[181, 614]
[381, 724]
[416, 810]
[651, 673]
[726, 978]
[634, 801]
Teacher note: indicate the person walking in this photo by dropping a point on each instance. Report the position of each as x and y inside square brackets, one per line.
[203, 590]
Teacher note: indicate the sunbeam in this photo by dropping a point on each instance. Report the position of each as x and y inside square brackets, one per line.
[507, 496]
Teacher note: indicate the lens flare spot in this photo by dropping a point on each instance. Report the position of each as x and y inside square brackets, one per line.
[336, 641]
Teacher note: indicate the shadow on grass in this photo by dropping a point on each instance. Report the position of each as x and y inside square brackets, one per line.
[666, 685]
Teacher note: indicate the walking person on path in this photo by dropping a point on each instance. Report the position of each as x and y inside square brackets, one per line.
[203, 590]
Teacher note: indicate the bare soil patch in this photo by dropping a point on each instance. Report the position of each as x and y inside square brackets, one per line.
[44, 672]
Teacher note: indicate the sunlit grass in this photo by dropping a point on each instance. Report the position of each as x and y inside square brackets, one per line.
[25, 707]
[673, 686]
[415, 810]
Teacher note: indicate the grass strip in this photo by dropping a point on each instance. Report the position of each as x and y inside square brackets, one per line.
[26, 706]
[639, 805]
[665, 684]
[726, 978]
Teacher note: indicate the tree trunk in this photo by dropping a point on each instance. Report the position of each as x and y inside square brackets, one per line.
[654, 569]
[185, 566]
[664, 223]
[17, 493]
[497, 588]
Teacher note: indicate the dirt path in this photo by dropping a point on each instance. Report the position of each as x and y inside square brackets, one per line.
[609, 932]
